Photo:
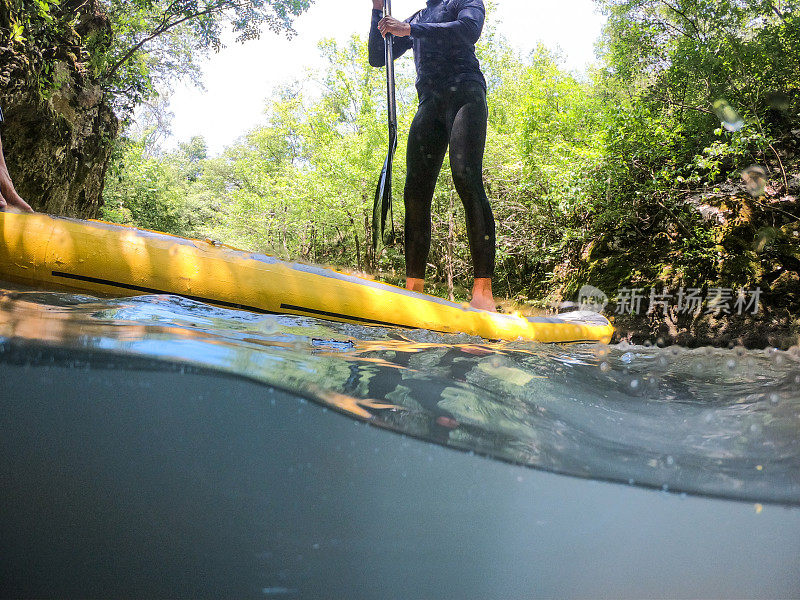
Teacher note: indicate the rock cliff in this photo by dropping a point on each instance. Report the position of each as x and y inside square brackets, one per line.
[59, 125]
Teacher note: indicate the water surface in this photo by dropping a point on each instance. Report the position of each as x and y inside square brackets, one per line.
[718, 422]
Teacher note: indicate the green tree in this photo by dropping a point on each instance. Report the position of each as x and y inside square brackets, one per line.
[155, 41]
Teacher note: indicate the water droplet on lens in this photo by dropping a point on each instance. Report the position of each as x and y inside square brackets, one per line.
[774, 398]
[756, 428]
[728, 117]
[634, 384]
[778, 101]
[755, 180]
[670, 461]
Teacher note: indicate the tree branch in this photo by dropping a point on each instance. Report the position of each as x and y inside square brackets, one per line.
[165, 26]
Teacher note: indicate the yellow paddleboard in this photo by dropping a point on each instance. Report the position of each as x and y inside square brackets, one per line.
[114, 259]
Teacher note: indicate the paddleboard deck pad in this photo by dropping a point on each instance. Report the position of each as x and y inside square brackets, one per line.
[95, 256]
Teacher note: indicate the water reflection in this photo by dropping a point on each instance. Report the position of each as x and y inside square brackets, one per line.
[708, 421]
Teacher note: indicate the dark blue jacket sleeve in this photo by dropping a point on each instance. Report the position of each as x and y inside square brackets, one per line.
[465, 29]
[377, 48]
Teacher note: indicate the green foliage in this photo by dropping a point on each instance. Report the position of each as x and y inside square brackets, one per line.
[154, 192]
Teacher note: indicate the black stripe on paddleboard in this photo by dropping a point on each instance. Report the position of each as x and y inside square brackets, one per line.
[140, 288]
[325, 313]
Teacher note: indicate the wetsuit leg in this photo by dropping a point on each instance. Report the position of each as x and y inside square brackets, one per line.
[468, 114]
[427, 144]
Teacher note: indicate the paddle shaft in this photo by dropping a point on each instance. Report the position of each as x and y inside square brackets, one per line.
[390, 86]
[383, 193]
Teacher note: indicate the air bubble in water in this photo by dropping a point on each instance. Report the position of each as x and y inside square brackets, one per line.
[728, 116]
[755, 180]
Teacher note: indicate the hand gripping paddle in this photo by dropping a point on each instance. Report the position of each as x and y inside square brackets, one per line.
[383, 193]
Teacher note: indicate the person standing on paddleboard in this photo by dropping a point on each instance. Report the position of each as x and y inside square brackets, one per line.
[452, 111]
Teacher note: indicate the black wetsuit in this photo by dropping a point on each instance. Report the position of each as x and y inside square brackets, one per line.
[452, 110]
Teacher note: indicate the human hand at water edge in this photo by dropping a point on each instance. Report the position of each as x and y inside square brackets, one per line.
[393, 26]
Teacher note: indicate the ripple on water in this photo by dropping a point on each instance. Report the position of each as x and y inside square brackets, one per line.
[722, 422]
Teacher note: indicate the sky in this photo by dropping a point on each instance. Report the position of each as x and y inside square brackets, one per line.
[241, 77]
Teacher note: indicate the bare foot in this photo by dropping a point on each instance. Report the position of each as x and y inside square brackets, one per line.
[482, 295]
[415, 285]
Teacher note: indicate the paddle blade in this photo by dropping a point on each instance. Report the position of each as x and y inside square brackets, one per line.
[383, 201]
